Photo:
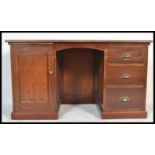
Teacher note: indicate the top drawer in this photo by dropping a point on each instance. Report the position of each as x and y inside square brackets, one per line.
[127, 54]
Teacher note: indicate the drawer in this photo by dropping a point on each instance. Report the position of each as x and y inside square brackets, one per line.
[127, 54]
[126, 75]
[125, 99]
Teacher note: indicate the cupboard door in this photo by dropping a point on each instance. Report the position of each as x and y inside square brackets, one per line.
[33, 78]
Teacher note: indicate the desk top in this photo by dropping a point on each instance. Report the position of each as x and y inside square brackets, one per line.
[79, 41]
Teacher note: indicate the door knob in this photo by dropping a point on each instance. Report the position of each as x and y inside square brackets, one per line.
[50, 72]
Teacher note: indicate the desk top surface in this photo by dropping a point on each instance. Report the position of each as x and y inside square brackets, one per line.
[79, 41]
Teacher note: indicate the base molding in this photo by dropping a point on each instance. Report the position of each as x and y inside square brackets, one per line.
[124, 114]
[34, 115]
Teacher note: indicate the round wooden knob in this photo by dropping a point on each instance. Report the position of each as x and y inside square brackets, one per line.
[50, 72]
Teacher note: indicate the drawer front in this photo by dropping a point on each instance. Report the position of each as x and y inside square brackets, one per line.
[125, 99]
[127, 55]
[126, 75]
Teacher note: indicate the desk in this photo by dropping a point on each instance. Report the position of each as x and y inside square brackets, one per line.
[48, 73]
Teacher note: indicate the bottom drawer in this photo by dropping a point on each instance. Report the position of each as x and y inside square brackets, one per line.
[125, 99]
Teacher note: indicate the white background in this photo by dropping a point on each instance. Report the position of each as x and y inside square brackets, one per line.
[67, 15]
[6, 70]
[85, 137]
[120, 15]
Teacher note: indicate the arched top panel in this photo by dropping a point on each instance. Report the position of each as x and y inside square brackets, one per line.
[79, 49]
[96, 47]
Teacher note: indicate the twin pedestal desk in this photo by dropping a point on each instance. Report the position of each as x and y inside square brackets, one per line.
[48, 73]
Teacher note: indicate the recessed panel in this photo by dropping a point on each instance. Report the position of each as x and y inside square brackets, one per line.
[33, 78]
[78, 76]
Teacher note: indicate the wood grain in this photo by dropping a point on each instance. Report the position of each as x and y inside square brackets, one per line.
[48, 73]
[78, 72]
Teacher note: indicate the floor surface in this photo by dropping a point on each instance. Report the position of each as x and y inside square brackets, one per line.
[77, 113]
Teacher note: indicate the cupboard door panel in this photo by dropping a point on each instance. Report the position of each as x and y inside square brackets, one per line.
[35, 87]
[33, 78]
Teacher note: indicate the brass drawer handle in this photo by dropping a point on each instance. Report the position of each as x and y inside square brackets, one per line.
[125, 99]
[125, 76]
[126, 56]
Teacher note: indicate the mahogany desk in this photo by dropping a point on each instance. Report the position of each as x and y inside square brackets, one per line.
[48, 73]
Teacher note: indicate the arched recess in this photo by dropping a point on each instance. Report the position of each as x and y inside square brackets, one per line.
[80, 75]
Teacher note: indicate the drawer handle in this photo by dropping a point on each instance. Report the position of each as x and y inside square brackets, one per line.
[126, 56]
[125, 99]
[125, 76]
